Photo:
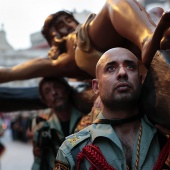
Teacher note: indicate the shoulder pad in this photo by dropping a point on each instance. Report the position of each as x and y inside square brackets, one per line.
[74, 139]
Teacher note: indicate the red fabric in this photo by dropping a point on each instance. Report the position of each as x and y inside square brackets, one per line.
[93, 154]
[163, 156]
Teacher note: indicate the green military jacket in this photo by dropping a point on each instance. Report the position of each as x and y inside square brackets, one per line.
[104, 136]
[54, 123]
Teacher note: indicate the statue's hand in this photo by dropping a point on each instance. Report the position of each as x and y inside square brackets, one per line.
[58, 47]
[53, 53]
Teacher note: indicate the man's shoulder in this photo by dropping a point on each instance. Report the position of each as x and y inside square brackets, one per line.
[41, 125]
[75, 139]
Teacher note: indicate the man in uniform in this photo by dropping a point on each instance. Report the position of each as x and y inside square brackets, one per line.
[121, 137]
[57, 95]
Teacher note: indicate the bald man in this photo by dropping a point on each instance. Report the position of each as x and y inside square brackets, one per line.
[121, 138]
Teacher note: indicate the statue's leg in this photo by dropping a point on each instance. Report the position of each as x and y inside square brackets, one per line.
[120, 20]
[142, 31]
[131, 20]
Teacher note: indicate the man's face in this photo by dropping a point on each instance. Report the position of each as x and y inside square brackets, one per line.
[63, 25]
[55, 94]
[118, 80]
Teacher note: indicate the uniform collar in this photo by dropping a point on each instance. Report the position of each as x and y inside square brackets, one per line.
[55, 122]
[106, 131]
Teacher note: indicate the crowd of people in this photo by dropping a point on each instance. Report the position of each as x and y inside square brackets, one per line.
[19, 126]
[103, 127]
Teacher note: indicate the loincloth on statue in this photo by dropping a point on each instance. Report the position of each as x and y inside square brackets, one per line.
[86, 56]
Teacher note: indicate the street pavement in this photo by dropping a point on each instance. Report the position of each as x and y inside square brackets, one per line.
[17, 156]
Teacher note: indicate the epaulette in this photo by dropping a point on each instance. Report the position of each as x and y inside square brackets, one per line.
[74, 139]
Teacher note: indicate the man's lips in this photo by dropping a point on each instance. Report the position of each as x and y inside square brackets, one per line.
[58, 99]
[122, 86]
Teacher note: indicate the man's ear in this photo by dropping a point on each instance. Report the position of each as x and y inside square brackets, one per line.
[95, 86]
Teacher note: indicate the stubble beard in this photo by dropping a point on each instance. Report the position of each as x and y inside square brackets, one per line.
[122, 101]
[62, 107]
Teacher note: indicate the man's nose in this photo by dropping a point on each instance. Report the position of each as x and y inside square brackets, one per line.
[122, 73]
[54, 92]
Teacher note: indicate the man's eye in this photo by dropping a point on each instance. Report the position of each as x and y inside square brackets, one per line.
[47, 92]
[130, 67]
[111, 68]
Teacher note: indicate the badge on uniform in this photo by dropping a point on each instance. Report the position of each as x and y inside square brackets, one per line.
[59, 165]
[73, 140]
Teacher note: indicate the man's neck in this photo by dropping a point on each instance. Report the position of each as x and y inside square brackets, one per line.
[120, 113]
[126, 132]
[123, 113]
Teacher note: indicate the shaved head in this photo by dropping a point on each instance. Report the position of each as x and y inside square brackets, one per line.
[114, 52]
[118, 82]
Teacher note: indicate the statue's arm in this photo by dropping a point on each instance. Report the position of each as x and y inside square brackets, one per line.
[63, 66]
[38, 67]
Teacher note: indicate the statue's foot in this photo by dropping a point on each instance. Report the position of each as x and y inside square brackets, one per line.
[159, 40]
